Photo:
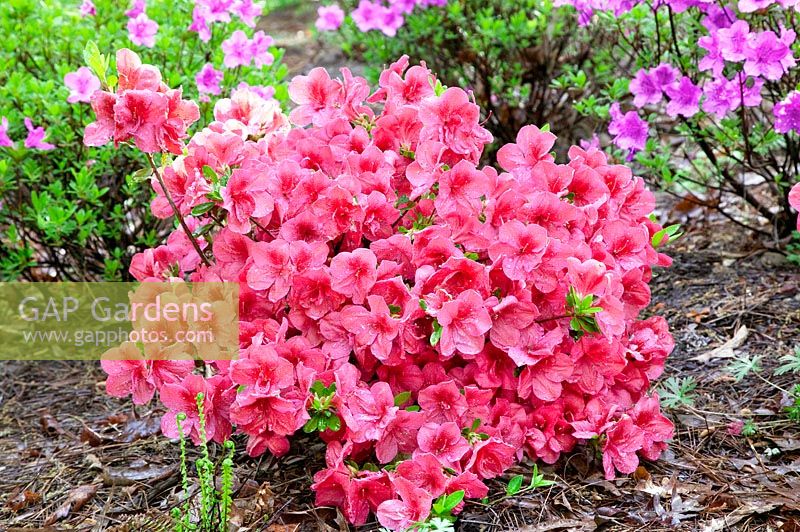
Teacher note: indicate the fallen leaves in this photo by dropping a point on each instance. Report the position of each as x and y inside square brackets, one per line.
[76, 499]
[20, 499]
[726, 350]
[138, 471]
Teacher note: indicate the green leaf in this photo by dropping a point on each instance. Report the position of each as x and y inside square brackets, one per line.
[401, 398]
[203, 208]
[514, 485]
[436, 335]
[453, 500]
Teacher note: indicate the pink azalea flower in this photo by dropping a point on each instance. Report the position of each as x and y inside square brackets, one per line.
[367, 15]
[369, 411]
[630, 131]
[490, 458]
[36, 136]
[137, 8]
[259, 49]
[237, 50]
[208, 80]
[374, 329]
[767, 56]
[315, 95]
[733, 41]
[623, 439]
[645, 89]
[444, 441]
[88, 9]
[354, 274]
[413, 506]
[684, 98]
[464, 323]
[794, 201]
[247, 11]
[81, 84]
[246, 196]
[443, 402]
[142, 31]
[181, 397]
[5, 141]
[129, 373]
[519, 248]
[329, 18]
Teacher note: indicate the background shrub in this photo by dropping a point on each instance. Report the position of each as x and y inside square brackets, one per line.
[75, 212]
[693, 136]
[525, 61]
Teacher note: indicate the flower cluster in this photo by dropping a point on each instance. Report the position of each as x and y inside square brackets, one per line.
[370, 15]
[737, 59]
[241, 51]
[142, 109]
[435, 321]
[34, 140]
[207, 12]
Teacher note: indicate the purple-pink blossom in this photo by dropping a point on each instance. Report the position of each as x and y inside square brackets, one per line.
[787, 113]
[137, 8]
[733, 41]
[629, 130]
[768, 56]
[5, 140]
[208, 80]
[88, 9]
[237, 49]
[367, 15]
[81, 84]
[684, 98]
[142, 31]
[36, 136]
[329, 18]
[259, 49]
[645, 89]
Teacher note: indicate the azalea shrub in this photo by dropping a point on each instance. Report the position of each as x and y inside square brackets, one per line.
[432, 320]
[74, 212]
[707, 101]
[524, 61]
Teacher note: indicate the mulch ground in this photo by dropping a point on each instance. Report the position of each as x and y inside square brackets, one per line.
[73, 458]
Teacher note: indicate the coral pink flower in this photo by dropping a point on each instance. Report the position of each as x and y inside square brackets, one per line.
[443, 402]
[369, 412]
[374, 328]
[316, 94]
[464, 321]
[490, 458]
[623, 439]
[533, 145]
[246, 196]
[413, 506]
[354, 274]
[181, 397]
[444, 441]
[130, 374]
[519, 248]
[794, 201]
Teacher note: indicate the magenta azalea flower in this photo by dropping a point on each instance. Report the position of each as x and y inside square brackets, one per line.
[208, 80]
[630, 131]
[329, 18]
[142, 31]
[787, 113]
[36, 136]
[88, 9]
[81, 84]
[237, 49]
[5, 140]
[684, 98]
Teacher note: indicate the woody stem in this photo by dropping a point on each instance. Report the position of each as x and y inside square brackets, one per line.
[185, 227]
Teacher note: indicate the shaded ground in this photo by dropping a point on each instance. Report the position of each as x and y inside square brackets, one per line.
[63, 440]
